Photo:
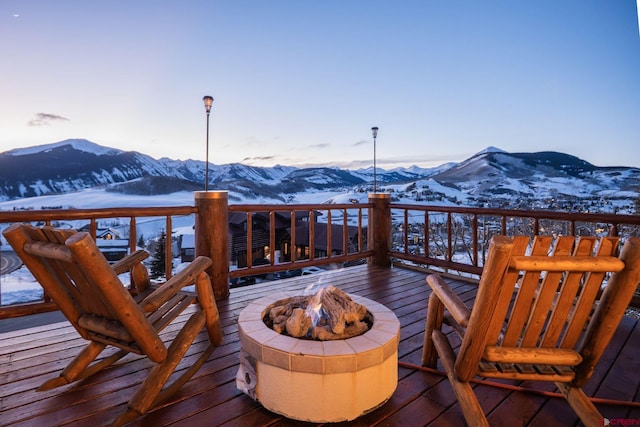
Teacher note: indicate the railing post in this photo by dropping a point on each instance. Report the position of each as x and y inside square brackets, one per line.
[211, 237]
[380, 229]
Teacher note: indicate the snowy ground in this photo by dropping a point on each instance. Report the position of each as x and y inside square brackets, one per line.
[20, 286]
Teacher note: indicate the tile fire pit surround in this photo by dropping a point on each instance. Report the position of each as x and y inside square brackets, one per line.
[318, 381]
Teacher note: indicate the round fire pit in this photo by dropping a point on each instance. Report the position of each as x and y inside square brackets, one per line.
[318, 381]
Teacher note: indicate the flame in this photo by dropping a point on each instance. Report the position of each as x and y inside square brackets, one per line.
[314, 309]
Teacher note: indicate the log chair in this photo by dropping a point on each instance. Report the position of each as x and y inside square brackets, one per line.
[536, 316]
[86, 288]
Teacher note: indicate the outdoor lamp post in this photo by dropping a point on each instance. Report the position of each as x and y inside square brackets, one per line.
[208, 101]
[374, 130]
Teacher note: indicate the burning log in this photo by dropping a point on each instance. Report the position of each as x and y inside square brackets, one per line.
[280, 313]
[328, 315]
[298, 324]
[340, 309]
[323, 333]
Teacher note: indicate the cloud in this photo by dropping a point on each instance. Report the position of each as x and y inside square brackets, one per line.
[425, 161]
[45, 119]
[361, 142]
[319, 145]
[258, 159]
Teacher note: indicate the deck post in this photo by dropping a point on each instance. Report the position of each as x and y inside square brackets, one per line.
[211, 237]
[380, 229]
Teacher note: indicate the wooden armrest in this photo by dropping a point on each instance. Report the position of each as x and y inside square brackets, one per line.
[566, 263]
[172, 286]
[456, 307]
[126, 263]
[536, 356]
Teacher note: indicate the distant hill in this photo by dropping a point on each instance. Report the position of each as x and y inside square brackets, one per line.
[538, 175]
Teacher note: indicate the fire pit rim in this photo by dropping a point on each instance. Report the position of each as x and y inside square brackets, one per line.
[322, 357]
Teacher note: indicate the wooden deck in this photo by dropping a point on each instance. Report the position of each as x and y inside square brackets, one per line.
[29, 356]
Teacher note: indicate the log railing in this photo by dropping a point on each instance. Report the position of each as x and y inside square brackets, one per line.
[130, 220]
[449, 239]
[343, 241]
[337, 231]
[456, 238]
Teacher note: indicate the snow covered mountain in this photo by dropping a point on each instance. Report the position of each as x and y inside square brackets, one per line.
[68, 166]
[491, 177]
[74, 165]
[544, 175]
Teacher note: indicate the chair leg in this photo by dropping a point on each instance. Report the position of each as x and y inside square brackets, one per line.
[435, 313]
[182, 379]
[581, 404]
[104, 363]
[149, 391]
[208, 304]
[471, 409]
[77, 367]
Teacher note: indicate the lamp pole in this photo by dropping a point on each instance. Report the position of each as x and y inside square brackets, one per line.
[208, 101]
[374, 131]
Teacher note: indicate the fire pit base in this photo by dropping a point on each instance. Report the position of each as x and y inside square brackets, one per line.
[318, 381]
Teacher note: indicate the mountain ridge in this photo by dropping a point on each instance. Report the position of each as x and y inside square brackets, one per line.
[490, 177]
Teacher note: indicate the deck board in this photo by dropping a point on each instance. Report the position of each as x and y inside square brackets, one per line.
[30, 356]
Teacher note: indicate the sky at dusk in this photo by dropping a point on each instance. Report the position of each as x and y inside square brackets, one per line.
[302, 82]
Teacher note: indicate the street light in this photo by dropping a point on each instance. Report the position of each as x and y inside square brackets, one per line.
[208, 101]
[374, 130]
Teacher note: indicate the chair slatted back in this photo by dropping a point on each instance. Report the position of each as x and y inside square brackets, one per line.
[65, 272]
[77, 276]
[534, 312]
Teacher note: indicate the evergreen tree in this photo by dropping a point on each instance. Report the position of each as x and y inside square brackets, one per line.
[141, 241]
[158, 262]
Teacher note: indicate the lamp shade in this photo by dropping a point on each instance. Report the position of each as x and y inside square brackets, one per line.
[208, 101]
